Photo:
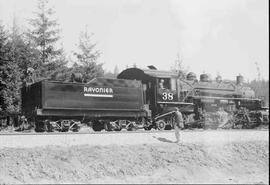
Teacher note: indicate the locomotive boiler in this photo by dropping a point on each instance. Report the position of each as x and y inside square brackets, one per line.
[201, 101]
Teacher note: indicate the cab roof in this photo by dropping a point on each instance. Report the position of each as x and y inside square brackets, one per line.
[145, 74]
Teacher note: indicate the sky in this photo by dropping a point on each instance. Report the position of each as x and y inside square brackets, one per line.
[223, 37]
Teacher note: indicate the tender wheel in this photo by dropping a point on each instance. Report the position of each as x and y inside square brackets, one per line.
[168, 127]
[48, 126]
[131, 126]
[107, 126]
[160, 124]
[147, 128]
[97, 126]
[39, 126]
[118, 129]
[75, 128]
[131, 129]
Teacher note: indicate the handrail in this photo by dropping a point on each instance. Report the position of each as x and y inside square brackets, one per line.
[162, 115]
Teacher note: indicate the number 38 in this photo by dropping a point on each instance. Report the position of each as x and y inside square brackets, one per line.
[167, 96]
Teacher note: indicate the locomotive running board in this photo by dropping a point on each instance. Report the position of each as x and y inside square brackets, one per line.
[223, 98]
[179, 103]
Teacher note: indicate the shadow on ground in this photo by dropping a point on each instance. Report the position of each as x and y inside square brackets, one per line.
[162, 139]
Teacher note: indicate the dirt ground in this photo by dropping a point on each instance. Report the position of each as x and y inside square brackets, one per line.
[162, 162]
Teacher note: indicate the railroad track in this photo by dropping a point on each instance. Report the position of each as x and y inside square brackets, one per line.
[125, 132]
[78, 133]
[68, 139]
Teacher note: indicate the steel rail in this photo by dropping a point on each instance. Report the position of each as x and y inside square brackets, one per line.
[127, 132]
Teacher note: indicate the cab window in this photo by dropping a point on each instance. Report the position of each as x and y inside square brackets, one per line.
[173, 84]
[164, 83]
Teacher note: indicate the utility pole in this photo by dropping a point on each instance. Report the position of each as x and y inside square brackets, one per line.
[258, 71]
[258, 89]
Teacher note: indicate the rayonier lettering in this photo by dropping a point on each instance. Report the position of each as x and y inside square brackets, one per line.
[103, 90]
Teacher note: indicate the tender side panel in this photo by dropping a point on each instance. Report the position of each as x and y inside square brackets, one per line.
[91, 96]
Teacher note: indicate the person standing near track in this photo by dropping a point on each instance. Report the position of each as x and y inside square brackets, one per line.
[179, 124]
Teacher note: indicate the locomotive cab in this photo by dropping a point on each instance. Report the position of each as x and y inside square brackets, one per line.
[162, 91]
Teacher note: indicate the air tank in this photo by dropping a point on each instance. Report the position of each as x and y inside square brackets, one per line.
[191, 76]
[205, 77]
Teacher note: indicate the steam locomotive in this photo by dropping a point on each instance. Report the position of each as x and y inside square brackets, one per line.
[141, 98]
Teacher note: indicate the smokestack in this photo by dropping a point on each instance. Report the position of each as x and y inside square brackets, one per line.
[239, 80]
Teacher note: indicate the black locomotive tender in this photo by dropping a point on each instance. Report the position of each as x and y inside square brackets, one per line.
[139, 98]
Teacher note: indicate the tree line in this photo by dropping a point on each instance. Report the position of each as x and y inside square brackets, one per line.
[38, 49]
[261, 88]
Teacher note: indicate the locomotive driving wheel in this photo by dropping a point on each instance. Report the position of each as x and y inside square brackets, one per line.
[160, 124]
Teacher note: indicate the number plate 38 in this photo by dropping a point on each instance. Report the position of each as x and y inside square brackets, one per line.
[167, 96]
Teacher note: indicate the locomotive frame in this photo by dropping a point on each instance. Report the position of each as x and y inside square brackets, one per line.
[140, 98]
[194, 99]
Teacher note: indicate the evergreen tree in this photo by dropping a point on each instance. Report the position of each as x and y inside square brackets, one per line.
[87, 58]
[25, 55]
[178, 67]
[45, 35]
[9, 77]
[261, 88]
[109, 74]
